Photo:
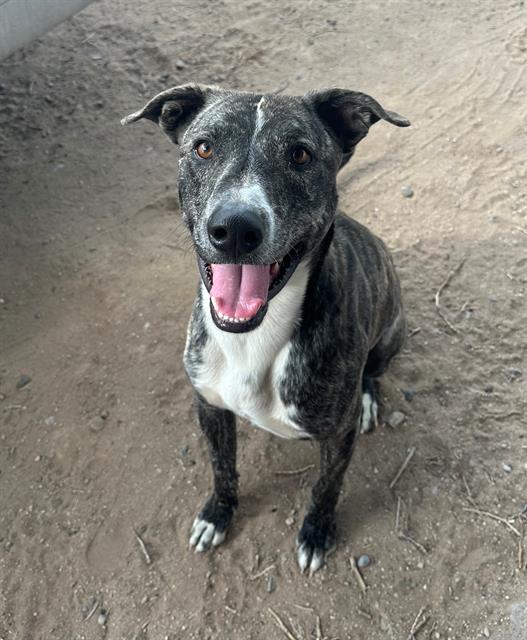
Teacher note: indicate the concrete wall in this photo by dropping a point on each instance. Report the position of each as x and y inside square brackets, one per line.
[21, 21]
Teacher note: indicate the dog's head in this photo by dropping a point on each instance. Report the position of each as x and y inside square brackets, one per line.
[258, 182]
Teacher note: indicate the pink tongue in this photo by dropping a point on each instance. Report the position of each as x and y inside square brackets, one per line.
[239, 290]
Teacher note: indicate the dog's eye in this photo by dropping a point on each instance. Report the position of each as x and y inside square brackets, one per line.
[204, 150]
[300, 156]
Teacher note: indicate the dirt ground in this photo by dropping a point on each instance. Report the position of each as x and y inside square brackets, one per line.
[97, 279]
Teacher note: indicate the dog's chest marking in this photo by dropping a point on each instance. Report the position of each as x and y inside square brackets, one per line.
[242, 372]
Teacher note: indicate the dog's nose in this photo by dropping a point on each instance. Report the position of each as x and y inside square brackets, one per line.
[235, 229]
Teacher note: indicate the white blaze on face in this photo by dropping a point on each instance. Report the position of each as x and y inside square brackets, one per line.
[260, 116]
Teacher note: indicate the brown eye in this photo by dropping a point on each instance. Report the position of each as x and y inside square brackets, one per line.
[204, 150]
[300, 156]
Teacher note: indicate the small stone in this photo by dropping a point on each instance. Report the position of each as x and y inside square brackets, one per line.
[180, 64]
[37, 458]
[507, 467]
[184, 451]
[486, 632]
[488, 389]
[102, 618]
[50, 421]
[104, 414]
[407, 191]
[23, 381]
[363, 561]
[271, 584]
[408, 394]
[290, 521]
[396, 419]
[513, 373]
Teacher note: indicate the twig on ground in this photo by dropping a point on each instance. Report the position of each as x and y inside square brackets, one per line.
[142, 545]
[417, 545]
[493, 516]
[470, 497]
[398, 513]
[263, 572]
[403, 467]
[281, 88]
[294, 472]
[300, 606]
[280, 624]
[443, 286]
[413, 332]
[358, 575]
[319, 630]
[418, 624]
[521, 551]
[364, 614]
[95, 606]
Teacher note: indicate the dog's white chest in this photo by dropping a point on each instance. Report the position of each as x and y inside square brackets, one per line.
[242, 372]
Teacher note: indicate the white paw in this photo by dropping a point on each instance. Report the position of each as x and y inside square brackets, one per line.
[370, 413]
[204, 534]
[307, 558]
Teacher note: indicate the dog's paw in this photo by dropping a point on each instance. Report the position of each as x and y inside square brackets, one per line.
[314, 543]
[370, 413]
[210, 526]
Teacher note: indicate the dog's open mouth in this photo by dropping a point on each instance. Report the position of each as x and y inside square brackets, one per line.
[240, 293]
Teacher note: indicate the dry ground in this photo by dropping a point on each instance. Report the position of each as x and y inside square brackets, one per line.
[97, 280]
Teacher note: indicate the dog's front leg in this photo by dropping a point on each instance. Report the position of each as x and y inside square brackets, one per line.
[210, 526]
[317, 535]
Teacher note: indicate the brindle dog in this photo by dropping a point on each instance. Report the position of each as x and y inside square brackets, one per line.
[299, 307]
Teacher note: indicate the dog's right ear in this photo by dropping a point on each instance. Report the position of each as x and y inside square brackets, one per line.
[173, 109]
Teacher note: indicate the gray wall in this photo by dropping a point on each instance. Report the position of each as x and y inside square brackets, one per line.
[21, 21]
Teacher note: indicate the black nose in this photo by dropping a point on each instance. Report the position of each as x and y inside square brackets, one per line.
[235, 229]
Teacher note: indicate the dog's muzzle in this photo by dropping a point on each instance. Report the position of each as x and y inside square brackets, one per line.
[240, 293]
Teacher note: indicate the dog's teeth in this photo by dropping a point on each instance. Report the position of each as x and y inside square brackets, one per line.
[225, 318]
[275, 269]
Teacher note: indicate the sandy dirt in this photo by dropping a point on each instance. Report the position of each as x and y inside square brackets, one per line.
[97, 279]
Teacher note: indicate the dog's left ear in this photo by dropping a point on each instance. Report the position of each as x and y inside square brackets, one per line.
[173, 109]
[350, 114]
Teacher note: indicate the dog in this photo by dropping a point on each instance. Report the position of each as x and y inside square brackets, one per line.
[298, 310]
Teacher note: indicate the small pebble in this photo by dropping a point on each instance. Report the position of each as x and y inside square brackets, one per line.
[23, 381]
[104, 414]
[290, 521]
[408, 395]
[507, 467]
[513, 373]
[102, 618]
[50, 421]
[363, 561]
[37, 458]
[184, 451]
[488, 389]
[407, 192]
[396, 419]
[486, 632]
[271, 584]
